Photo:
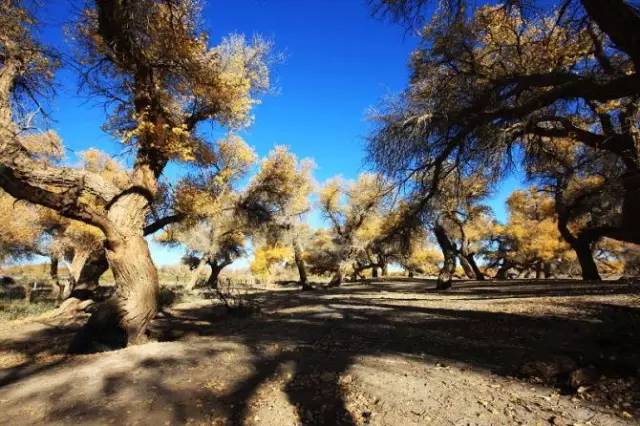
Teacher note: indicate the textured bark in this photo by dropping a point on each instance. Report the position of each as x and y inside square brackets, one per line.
[538, 269]
[631, 208]
[587, 263]
[53, 268]
[450, 255]
[374, 272]
[302, 269]
[95, 266]
[123, 319]
[547, 270]
[336, 280]
[85, 271]
[196, 273]
[474, 266]
[466, 266]
[502, 272]
[135, 274]
[77, 264]
[212, 281]
[581, 245]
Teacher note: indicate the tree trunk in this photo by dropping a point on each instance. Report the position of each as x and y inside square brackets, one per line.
[538, 270]
[123, 319]
[502, 272]
[449, 253]
[374, 272]
[212, 281]
[92, 270]
[302, 269]
[384, 270]
[53, 268]
[197, 273]
[631, 206]
[77, 264]
[547, 270]
[581, 246]
[466, 266]
[474, 266]
[336, 280]
[137, 287]
[410, 273]
[85, 271]
[587, 264]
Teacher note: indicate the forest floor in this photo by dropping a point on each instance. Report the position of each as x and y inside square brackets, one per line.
[394, 352]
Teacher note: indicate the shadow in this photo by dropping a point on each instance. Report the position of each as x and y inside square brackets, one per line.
[318, 336]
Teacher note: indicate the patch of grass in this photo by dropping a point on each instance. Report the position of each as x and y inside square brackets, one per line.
[18, 309]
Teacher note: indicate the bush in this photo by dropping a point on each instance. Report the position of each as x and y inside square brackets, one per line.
[236, 298]
[167, 297]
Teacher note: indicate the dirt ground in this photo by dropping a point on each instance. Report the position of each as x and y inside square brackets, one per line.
[379, 353]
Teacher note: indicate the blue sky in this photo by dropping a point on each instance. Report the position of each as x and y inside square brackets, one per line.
[339, 62]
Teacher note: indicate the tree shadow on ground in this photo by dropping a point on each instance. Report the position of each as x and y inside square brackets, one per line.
[319, 335]
[329, 329]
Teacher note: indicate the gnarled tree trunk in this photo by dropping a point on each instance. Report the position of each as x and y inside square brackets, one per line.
[212, 281]
[53, 268]
[85, 271]
[302, 270]
[581, 246]
[474, 267]
[585, 258]
[546, 269]
[450, 255]
[123, 319]
[466, 267]
[196, 273]
[337, 278]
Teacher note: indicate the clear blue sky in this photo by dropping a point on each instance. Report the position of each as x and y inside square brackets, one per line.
[338, 63]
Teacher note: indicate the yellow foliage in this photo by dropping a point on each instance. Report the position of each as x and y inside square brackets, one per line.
[266, 257]
[533, 226]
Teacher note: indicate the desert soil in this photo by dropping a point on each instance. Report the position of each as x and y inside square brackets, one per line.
[379, 353]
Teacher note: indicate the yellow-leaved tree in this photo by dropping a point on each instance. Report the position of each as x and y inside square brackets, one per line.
[160, 77]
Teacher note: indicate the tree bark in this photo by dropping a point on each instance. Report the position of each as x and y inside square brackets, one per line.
[336, 280]
[123, 319]
[466, 266]
[449, 253]
[196, 273]
[631, 207]
[474, 266]
[502, 272]
[547, 270]
[384, 270]
[137, 287]
[585, 258]
[93, 269]
[538, 270]
[85, 271]
[580, 245]
[53, 268]
[302, 269]
[374, 272]
[212, 281]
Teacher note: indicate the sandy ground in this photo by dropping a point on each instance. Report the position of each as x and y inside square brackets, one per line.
[380, 353]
